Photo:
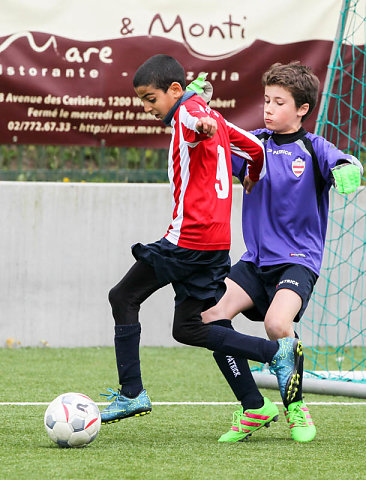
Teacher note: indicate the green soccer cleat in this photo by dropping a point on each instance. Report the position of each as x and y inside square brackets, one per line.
[124, 407]
[285, 365]
[249, 421]
[299, 420]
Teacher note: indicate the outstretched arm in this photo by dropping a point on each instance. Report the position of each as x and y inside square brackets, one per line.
[247, 146]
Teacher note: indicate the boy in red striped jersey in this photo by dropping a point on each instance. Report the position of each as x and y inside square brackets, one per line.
[193, 255]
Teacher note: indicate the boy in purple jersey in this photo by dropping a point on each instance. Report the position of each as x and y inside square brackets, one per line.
[284, 228]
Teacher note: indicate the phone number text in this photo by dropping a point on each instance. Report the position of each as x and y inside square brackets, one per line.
[24, 126]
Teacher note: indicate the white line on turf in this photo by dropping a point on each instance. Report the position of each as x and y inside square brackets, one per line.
[21, 404]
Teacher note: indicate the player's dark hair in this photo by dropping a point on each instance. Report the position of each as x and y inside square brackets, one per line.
[298, 79]
[160, 71]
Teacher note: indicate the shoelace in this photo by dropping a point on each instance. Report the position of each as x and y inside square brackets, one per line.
[236, 418]
[111, 395]
[297, 416]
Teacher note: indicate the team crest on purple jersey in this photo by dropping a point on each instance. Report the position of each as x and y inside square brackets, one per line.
[298, 167]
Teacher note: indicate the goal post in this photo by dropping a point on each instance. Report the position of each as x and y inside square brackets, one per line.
[319, 386]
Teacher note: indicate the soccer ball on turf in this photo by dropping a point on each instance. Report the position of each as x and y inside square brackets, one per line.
[72, 420]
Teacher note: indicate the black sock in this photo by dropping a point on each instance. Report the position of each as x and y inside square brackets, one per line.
[230, 342]
[127, 347]
[238, 375]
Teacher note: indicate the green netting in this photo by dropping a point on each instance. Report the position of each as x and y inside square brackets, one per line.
[334, 325]
[335, 322]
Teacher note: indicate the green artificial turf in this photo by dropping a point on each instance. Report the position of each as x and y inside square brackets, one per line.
[174, 441]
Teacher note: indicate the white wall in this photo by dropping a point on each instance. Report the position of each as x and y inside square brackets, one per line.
[64, 245]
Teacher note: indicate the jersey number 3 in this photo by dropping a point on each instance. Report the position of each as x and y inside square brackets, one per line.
[222, 177]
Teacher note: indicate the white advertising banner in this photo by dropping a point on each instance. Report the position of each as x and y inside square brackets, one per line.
[66, 67]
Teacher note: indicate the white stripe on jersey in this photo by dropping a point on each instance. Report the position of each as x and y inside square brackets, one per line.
[189, 122]
[170, 165]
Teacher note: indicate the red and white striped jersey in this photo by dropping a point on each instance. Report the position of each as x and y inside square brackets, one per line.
[199, 170]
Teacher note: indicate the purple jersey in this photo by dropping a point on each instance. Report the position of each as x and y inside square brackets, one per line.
[285, 216]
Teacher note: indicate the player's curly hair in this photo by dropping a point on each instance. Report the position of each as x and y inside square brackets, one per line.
[160, 71]
[298, 79]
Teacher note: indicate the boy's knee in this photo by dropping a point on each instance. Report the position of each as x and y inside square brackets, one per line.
[275, 329]
[190, 332]
[113, 296]
[181, 334]
[119, 295]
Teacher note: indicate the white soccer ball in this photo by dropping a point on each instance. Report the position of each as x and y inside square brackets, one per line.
[72, 420]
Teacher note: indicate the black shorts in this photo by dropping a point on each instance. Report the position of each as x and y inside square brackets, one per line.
[193, 273]
[262, 283]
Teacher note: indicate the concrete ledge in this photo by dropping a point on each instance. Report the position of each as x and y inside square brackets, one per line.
[64, 245]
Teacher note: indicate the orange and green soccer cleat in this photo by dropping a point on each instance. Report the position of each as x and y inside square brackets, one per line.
[285, 365]
[299, 420]
[249, 421]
